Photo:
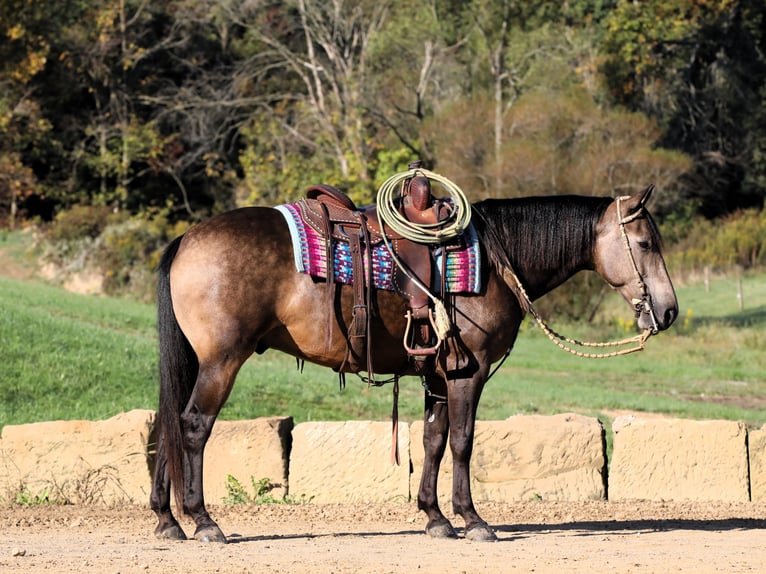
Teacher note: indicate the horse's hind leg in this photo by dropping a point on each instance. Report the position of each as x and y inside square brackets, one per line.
[210, 392]
[435, 430]
[168, 526]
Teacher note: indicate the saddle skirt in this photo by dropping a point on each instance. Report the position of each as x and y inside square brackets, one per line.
[460, 263]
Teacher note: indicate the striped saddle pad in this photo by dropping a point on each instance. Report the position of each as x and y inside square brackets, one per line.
[460, 265]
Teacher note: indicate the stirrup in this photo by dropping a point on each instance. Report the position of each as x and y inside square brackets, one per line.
[422, 351]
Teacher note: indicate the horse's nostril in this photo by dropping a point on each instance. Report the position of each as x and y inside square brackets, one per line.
[670, 316]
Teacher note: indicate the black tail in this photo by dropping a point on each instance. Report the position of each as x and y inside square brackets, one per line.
[178, 373]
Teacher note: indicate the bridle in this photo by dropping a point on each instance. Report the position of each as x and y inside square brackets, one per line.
[644, 304]
[565, 343]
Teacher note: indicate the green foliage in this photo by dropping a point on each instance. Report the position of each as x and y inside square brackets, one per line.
[80, 222]
[130, 252]
[556, 143]
[25, 497]
[236, 493]
[189, 108]
[699, 68]
[738, 240]
[272, 176]
[124, 250]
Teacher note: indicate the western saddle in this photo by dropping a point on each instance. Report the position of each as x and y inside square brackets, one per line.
[333, 215]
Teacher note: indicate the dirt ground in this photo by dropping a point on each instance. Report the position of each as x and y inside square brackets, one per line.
[533, 537]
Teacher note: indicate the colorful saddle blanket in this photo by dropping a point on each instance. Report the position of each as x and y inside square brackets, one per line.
[461, 268]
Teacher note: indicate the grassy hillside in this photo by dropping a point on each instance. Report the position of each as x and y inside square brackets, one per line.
[66, 356]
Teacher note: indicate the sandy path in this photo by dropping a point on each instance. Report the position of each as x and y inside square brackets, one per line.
[533, 537]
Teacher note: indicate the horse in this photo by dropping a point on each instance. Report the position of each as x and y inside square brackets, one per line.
[228, 288]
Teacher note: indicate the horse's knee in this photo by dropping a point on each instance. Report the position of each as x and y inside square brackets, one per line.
[461, 446]
[434, 442]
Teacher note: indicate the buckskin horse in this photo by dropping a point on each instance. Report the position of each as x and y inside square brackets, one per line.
[228, 288]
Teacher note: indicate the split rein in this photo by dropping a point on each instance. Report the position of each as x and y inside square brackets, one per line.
[565, 343]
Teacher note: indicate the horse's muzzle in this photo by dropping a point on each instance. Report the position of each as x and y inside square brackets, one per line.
[655, 317]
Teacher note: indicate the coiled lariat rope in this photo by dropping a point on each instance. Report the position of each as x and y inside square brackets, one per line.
[432, 233]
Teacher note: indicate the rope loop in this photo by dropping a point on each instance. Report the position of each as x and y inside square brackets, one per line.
[431, 233]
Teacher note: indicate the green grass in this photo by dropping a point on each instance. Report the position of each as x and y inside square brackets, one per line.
[67, 356]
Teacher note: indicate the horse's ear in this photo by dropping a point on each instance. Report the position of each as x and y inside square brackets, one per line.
[646, 195]
[635, 203]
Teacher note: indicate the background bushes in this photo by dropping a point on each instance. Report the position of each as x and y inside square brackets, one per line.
[125, 250]
[737, 240]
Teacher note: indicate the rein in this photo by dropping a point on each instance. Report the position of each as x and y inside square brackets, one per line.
[565, 343]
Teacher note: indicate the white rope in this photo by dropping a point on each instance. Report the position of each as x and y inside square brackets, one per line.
[432, 233]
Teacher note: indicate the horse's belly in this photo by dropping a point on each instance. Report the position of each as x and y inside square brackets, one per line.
[315, 327]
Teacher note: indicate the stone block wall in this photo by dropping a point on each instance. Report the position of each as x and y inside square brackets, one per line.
[349, 462]
[258, 448]
[79, 461]
[559, 457]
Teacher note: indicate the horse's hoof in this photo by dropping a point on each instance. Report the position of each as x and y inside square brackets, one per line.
[171, 532]
[441, 530]
[480, 532]
[210, 534]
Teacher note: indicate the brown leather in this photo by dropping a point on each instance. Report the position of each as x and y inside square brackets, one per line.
[330, 195]
[419, 191]
[332, 214]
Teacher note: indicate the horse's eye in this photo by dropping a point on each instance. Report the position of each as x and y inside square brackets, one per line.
[644, 245]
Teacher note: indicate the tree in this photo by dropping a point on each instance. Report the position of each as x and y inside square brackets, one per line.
[321, 48]
[26, 28]
[699, 68]
[418, 64]
[557, 143]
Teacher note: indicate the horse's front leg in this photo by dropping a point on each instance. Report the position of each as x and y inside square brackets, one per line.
[435, 429]
[463, 400]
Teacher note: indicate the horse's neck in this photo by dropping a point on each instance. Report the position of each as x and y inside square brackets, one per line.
[553, 257]
[538, 281]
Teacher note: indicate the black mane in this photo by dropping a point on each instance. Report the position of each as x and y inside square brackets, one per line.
[537, 233]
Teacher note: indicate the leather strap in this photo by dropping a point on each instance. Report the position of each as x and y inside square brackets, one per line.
[330, 272]
[357, 330]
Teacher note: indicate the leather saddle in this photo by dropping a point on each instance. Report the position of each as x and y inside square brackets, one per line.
[333, 215]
